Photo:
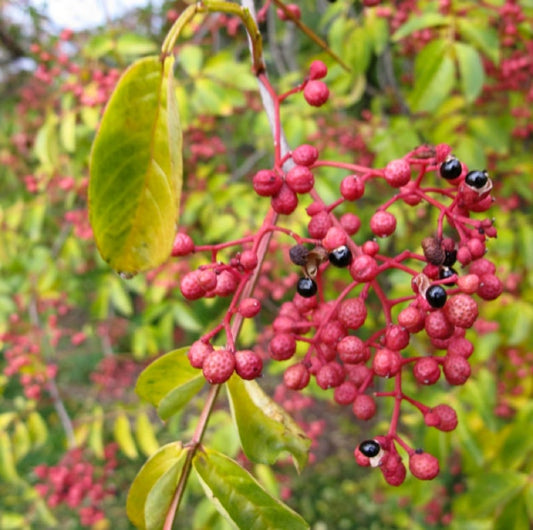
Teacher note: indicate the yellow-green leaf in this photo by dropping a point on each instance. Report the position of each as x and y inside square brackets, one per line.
[136, 170]
[96, 436]
[144, 433]
[8, 470]
[123, 436]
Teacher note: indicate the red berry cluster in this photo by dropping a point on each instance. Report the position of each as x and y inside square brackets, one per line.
[78, 484]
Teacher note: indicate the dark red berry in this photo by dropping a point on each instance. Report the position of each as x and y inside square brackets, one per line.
[316, 93]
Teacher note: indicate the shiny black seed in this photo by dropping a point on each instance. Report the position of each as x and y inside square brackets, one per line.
[341, 256]
[445, 273]
[298, 254]
[306, 287]
[369, 448]
[477, 179]
[436, 296]
[451, 169]
[450, 258]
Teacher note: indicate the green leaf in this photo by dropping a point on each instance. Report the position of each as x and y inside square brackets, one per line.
[472, 75]
[434, 77]
[492, 489]
[239, 497]
[513, 515]
[136, 170]
[417, 22]
[145, 435]
[98, 46]
[485, 38]
[265, 429]
[133, 44]
[8, 470]
[170, 382]
[21, 441]
[37, 428]
[123, 436]
[159, 463]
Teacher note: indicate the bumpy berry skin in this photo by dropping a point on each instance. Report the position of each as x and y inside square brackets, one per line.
[319, 225]
[438, 326]
[296, 377]
[300, 179]
[198, 352]
[345, 393]
[249, 307]
[318, 70]
[350, 223]
[218, 366]
[386, 363]
[383, 224]
[267, 182]
[335, 237]
[423, 466]
[183, 245]
[190, 287]
[436, 296]
[451, 169]
[226, 283]
[476, 179]
[398, 173]
[352, 313]
[460, 346]
[248, 260]
[426, 371]
[369, 448]
[352, 187]
[305, 155]
[396, 337]
[248, 364]
[490, 287]
[282, 346]
[285, 201]
[364, 268]
[316, 93]
[306, 287]
[207, 279]
[330, 375]
[456, 369]
[461, 310]
[412, 319]
[364, 407]
[447, 418]
[298, 254]
[352, 350]
[341, 256]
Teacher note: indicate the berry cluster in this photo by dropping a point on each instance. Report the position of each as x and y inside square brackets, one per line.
[337, 349]
[78, 484]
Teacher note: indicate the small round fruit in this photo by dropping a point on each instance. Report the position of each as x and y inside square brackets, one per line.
[451, 168]
[316, 93]
[298, 254]
[423, 465]
[370, 448]
[447, 272]
[218, 366]
[477, 179]
[306, 287]
[341, 256]
[436, 296]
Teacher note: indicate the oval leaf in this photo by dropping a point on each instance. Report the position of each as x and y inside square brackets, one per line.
[417, 22]
[266, 430]
[145, 435]
[170, 382]
[136, 170]
[472, 75]
[160, 462]
[123, 436]
[239, 497]
[434, 77]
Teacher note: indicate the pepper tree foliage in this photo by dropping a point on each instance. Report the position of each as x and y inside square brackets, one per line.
[332, 139]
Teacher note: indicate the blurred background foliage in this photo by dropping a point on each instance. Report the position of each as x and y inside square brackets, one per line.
[418, 74]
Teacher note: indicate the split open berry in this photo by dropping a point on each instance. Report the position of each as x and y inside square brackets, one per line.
[445, 273]
[451, 168]
[370, 448]
[477, 179]
[341, 256]
[436, 296]
[450, 257]
[306, 287]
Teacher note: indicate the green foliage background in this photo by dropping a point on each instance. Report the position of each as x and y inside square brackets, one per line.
[402, 91]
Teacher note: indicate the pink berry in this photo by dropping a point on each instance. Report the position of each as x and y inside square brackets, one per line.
[267, 182]
[438, 326]
[198, 352]
[352, 187]
[490, 287]
[300, 179]
[248, 260]
[460, 346]
[364, 407]
[218, 366]
[461, 310]
[207, 279]
[426, 371]
[481, 266]
[386, 363]
[335, 237]
[183, 245]
[396, 337]
[358, 373]
[285, 201]
[316, 93]
[296, 377]
[293, 9]
[412, 319]
[364, 268]
[383, 223]
[370, 248]
[330, 375]
[249, 307]
[305, 155]
[447, 417]
[360, 458]
[423, 466]
[352, 350]
[476, 247]
[282, 346]
[345, 393]
[248, 364]
[189, 286]
[226, 283]
[456, 369]
[319, 225]
[352, 313]
[468, 284]
[350, 223]
[332, 332]
[398, 173]
[317, 70]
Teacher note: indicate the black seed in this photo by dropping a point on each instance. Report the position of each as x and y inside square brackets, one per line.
[436, 296]
[306, 287]
[369, 448]
[451, 169]
[477, 179]
[298, 254]
[341, 256]
[447, 272]
[450, 258]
